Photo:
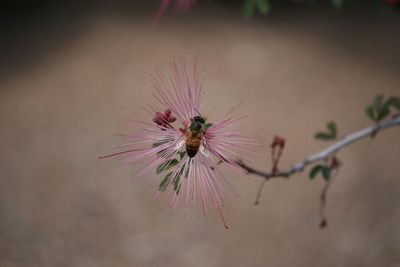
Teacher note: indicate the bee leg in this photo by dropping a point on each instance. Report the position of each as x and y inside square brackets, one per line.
[182, 130]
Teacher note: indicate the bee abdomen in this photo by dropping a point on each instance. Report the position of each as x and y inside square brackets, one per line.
[191, 152]
[192, 146]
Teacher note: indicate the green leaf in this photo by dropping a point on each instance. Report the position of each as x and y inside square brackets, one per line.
[378, 103]
[370, 113]
[326, 172]
[264, 6]
[381, 110]
[396, 103]
[332, 128]
[384, 109]
[331, 134]
[388, 103]
[338, 4]
[207, 125]
[167, 165]
[324, 136]
[392, 102]
[159, 143]
[164, 182]
[177, 184]
[314, 171]
[182, 154]
[248, 8]
[383, 114]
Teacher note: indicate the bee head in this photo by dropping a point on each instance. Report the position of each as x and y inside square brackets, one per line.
[197, 125]
[199, 119]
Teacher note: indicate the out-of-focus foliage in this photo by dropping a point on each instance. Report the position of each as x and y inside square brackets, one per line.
[250, 6]
[380, 109]
[330, 134]
[265, 7]
[323, 169]
[377, 111]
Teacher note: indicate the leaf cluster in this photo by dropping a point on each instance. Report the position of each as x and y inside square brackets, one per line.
[251, 6]
[380, 109]
[264, 6]
[320, 169]
[166, 181]
[330, 134]
[175, 182]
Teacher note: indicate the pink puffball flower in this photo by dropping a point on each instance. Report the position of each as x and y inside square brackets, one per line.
[181, 5]
[182, 145]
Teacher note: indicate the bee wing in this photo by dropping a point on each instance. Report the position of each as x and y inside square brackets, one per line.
[180, 144]
[203, 148]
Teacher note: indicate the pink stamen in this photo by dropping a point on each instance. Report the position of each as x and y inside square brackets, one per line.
[158, 141]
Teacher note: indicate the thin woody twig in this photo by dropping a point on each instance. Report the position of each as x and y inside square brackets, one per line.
[277, 146]
[324, 154]
[323, 201]
[257, 201]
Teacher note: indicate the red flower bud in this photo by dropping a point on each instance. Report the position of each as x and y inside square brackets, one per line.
[167, 113]
[163, 119]
[335, 163]
[278, 141]
[171, 119]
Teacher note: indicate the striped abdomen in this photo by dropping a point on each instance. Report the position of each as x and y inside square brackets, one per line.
[192, 144]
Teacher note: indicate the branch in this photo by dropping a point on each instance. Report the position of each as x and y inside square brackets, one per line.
[323, 197]
[343, 142]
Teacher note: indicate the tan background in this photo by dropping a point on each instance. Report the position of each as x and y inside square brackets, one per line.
[61, 206]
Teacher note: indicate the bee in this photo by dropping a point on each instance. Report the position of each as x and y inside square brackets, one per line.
[194, 135]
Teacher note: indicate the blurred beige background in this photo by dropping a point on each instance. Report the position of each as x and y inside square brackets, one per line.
[62, 206]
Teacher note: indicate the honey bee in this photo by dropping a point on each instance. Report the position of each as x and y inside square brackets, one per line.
[194, 135]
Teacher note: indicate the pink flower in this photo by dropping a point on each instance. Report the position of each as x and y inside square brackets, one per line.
[183, 145]
[182, 5]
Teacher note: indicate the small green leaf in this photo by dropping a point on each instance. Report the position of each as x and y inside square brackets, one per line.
[326, 172]
[331, 134]
[370, 113]
[314, 171]
[177, 184]
[396, 103]
[392, 102]
[164, 182]
[324, 136]
[378, 103]
[332, 128]
[182, 154]
[388, 103]
[384, 110]
[248, 8]
[167, 165]
[207, 125]
[264, 6]
[383, 114]
[159, 143]
[381, 110]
